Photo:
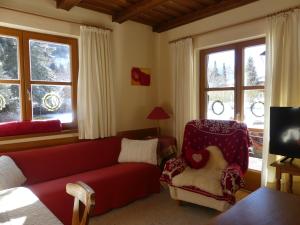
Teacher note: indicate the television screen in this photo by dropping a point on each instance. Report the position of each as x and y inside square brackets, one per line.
[285, 131]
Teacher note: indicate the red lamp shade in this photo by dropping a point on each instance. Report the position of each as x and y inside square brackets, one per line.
[158, 113]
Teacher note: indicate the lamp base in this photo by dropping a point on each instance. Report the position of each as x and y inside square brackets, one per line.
[158, 131]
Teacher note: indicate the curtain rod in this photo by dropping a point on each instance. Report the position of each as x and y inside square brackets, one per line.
[53, 18]
[235, 24]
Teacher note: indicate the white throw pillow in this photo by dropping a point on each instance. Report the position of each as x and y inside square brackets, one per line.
[138, 151]
[10, 175]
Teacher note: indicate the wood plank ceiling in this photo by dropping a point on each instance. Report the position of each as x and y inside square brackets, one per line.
[162, 15]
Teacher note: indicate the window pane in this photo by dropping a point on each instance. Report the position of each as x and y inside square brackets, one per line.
[8, 58]
[254, 65]
[254, 108]
[255, 151]
[49, 61]
[9, 102]
[220, 69]
[52, 102]
[220, 105]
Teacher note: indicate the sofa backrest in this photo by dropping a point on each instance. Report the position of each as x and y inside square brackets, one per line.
[39, 165]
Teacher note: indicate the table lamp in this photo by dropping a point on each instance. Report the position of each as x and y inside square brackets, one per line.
[158, 113]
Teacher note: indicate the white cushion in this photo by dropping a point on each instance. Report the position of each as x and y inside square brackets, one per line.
[10, 175]
[138, 151]
[204, 179]
[207, 178]
[216, 159]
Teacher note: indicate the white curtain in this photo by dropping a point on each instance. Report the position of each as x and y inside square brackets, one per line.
[282, 75]
[184, 86]
[96, 109]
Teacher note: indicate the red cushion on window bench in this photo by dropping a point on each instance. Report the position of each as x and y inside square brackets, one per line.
[29, 127]
[196, 159]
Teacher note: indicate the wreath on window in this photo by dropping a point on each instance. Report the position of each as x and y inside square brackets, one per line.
[52, 101]
[254, 105]
[219, 103]
[2, 102]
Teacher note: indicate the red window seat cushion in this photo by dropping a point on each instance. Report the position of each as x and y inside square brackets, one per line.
[29, 127]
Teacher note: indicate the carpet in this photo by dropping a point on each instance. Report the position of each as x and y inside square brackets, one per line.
[157, 209]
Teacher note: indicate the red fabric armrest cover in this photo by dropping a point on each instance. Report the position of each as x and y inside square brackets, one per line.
[232, 179]
[29, 127]
[172, 168]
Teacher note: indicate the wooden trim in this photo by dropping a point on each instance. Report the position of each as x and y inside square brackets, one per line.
[218, 49]
[214, 9]
[49, 139]
[37, 135]
[39, 82]
[9, 32]
[21, 146]
[137, 8]
[255, 129]
[238, 94]
[140, 133]
[252, 180]
[67, 4]
[23, 93]
[48, 37]
[54, 18]
[202, 97]
[234, 25]
[74, 72]
[245, 88]
[220, 89]
[9, 81]
[239, 73]
[24, 69]
[26, 79]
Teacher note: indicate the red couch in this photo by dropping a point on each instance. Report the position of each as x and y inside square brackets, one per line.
[48, 170]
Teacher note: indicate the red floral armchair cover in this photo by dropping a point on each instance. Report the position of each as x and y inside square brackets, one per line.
[233, 140]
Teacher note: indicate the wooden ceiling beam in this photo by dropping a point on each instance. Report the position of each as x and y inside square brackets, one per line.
[67, 4]
[98, 8]
[135, 9]
[211, 10]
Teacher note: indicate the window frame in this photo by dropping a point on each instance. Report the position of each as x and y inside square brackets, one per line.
[239, 86]
[24, 70]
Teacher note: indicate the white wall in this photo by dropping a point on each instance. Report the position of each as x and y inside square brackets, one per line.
[133, 45]
[208, 39]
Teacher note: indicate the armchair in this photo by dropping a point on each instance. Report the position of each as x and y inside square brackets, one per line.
[215, 184]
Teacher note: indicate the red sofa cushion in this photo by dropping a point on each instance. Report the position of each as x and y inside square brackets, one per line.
[40, 165]
[114, 186]
[29, 127]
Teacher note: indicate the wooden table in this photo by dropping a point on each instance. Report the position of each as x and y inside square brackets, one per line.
[19, 206]
[292, 168]
[263, 207]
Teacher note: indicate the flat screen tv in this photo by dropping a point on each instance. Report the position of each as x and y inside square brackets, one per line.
[285, 132]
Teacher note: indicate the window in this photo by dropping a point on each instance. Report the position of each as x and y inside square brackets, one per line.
[38, 77]
[232, 87]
